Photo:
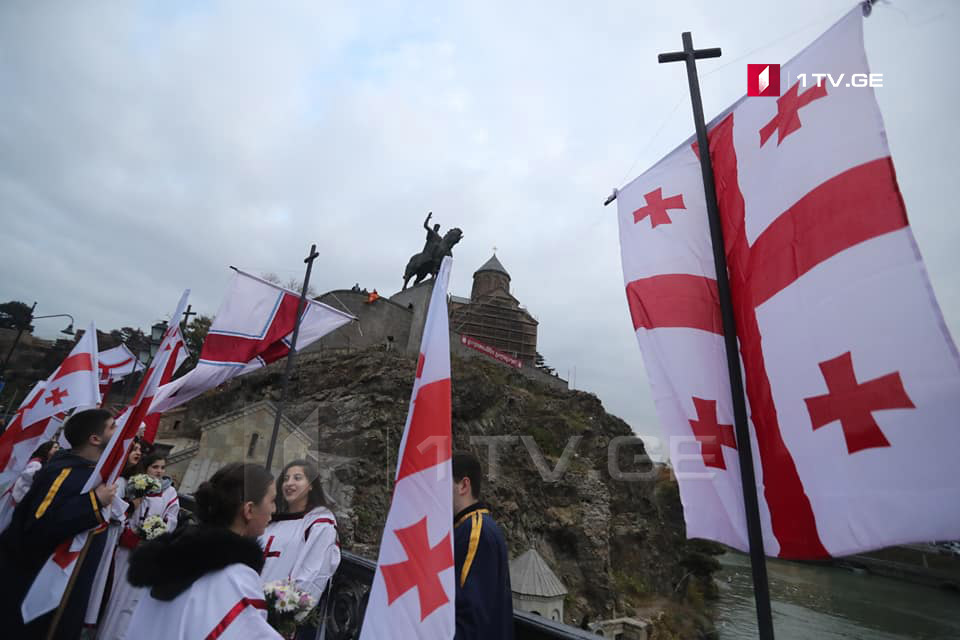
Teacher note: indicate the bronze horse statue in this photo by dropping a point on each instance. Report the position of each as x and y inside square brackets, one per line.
[425, 264]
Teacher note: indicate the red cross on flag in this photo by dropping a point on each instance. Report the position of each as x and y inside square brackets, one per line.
[73, 384]
[412, 595]
[252, 328]
[852, 379]
[116, 364]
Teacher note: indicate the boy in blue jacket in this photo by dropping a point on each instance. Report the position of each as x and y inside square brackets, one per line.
[484, 601]
[54, 511]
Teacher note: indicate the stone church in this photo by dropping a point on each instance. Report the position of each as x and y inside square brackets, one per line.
[493, 316]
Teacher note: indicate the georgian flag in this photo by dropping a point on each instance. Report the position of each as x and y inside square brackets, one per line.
[253, 328]
[72, 385]
[116, 364]
[171, 354]
[852, 379]
[412, 595]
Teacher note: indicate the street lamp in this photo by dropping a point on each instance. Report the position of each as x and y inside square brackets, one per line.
[156, 337]
[69, 331]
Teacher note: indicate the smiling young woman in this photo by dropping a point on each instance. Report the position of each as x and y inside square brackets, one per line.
[301, 544]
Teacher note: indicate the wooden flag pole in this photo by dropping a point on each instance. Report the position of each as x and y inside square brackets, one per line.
[55, 622]
[761, 589]
[290, 356]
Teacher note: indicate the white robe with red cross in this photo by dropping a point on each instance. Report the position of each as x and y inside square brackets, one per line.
[227, 605]
[303, 548]
[124, 596]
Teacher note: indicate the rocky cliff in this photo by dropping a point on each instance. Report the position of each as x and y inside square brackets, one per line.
[566, 477]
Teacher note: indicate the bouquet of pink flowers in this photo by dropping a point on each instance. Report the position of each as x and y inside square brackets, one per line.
[287, 607]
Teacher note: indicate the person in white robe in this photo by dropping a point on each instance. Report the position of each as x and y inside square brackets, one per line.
[300, 544]
[99, 594]
[19, 488]
[123, 596]
[203, 581]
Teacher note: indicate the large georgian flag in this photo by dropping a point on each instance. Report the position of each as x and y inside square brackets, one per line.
[72, 385]
[852, 379]
[412, 595]
[253, 328]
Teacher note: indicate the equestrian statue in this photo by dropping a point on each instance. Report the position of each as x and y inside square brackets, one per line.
[427, 262]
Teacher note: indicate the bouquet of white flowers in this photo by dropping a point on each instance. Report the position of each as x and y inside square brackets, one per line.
[142, 484]
[287, 607]
[152, 527]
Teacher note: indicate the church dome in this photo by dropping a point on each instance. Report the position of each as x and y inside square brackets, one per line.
[492, 265]
[489, 278]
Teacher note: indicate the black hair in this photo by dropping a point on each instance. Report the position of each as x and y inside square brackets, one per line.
[220, 498]
[315, 497]
[132, 469]
[466, 465]
[43, 451]
[148, 459]
[80, 426]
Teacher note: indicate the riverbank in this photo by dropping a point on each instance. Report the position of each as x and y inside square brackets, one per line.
[832, 603]
[926, 565]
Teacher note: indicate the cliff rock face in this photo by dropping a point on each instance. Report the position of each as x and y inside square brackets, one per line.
[564, 476]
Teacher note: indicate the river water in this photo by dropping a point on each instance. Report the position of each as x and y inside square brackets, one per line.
[828, 603]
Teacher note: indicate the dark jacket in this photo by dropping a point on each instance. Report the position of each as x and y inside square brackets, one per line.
[51, 513]
[484, 599]
[171, 563]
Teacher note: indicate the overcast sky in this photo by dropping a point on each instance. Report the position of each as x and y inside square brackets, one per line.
[146, 146]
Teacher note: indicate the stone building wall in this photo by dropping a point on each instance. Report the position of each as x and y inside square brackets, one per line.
[377, 321]
[239, 436]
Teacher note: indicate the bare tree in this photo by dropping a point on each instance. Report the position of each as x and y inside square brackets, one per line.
[293, 284]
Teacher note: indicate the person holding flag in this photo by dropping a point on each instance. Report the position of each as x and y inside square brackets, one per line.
[50, 515]
[72, 385]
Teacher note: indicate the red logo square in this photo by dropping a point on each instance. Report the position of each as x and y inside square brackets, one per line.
[763, 80]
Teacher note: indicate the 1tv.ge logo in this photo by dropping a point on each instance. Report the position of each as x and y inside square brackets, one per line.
[764, 80]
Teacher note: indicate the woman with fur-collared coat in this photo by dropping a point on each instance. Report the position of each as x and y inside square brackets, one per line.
[204, 581]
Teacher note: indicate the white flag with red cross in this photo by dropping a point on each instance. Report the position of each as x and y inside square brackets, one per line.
[171, 354]
[73, 384]
[253, 327]
[412, 595]
[852, 379]
[116, 364]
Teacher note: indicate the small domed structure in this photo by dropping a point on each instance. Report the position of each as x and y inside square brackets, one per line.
[536, 588]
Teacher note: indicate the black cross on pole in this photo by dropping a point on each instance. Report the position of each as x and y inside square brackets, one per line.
[293, 352]
[761, 589]
[186, 318]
